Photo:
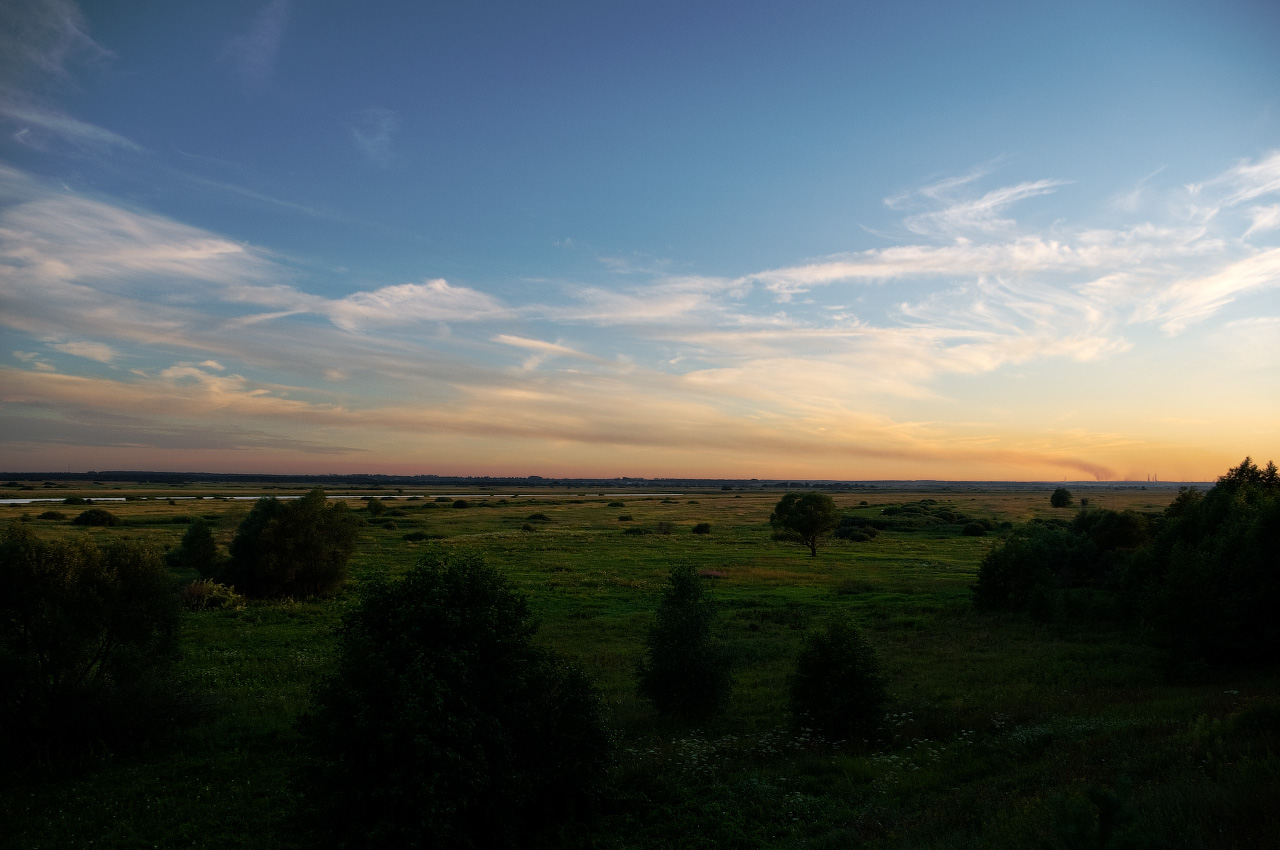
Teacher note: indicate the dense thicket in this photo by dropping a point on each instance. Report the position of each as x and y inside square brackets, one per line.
[87, 635]
[686, 671]
[443, 725]
[1205, 573]
[298, 548]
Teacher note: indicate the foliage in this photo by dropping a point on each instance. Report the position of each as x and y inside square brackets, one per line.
[804, 518]
[205, 595]
[837, 688]
[702, 528]
[298, 548]
[1061, 498]
[443, 725]
[1036, 559]
[86, 637]
[686, 672]
[52, 515]
[198, 550]
[96, 516]
[375, 506]
[1214, 569]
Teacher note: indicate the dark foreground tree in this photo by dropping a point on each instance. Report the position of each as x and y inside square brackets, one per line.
[686, 672]
[1215, 573]
[804, 518]
[298, 548]
[1061, 498]
[443, 725]
[837, 688]
[87, 636]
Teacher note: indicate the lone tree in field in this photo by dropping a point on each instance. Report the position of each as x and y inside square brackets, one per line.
[685, 673]
[298, 548]
[443, 725]
[1061, 498]
[804, 518]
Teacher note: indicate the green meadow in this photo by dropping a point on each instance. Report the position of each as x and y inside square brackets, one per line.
[1003, 732]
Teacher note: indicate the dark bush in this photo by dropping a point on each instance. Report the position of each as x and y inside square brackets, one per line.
[625, 518]
[855, 529]
[1061, 498]
[702, 528]
[198, 550]
[974, 529]
[528, 527]
[837, 688]
[638, 531]
[538, 518]
[180, 519]
[686, 672]
[75, 500]
[462, 503]
[443, 725]
[617, 504]
[1036, 556]
[664, 527]
[375, 507]
[87, 637]
[52, 515]
[415, 536]
[298, 548]
[96, 516]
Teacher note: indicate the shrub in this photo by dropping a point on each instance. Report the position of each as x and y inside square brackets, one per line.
[96, 516]
[974, 529]
[205, 595]
[415, 536]
[837, 688]
[298, 548]
[180, 519]
[198, 550]
[375, 507]
[664, 527]
[1037, 559]
[1061, 498]
[528, 527]
[617, 504]
[462, 503]
[686, 672]
[538, 518]
[75, 500]
[443, 725]
[637, 531]
[52, 515]
[87, 636]
[702, 528]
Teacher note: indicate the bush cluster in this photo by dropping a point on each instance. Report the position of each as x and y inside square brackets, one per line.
[87, 637]
[1203, 572]
[96, 516]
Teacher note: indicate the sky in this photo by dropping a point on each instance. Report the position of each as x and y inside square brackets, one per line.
[828, 240]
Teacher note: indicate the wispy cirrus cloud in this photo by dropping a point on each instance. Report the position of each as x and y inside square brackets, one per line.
[252, 53]
[682, 367]
[372, 130]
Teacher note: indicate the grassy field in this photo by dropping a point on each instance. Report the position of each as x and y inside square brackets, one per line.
[1004, 732]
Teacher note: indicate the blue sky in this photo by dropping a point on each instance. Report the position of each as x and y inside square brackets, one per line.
[989, 240]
